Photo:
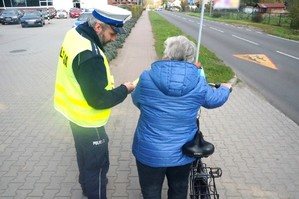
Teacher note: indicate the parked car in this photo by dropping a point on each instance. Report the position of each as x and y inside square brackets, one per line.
[87, 9]
[75, 12]
[32, 18]
[51, 13]
[45, 14]
[174, 9]
[82, 18]
[61, 14]
[11, 16]
[160, 8]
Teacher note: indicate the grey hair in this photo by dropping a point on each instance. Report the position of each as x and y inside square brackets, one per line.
[91, 20]
[180, 48]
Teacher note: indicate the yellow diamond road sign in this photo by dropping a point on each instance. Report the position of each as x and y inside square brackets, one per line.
[258, 59]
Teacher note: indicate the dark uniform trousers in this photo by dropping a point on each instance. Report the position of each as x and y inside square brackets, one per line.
[93, 159]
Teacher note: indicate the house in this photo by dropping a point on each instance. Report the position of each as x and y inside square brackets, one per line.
[270, 8]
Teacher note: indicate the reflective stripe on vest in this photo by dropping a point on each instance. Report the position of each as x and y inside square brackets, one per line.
[68, 97]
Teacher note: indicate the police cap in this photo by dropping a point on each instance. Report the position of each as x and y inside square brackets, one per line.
[113, 16]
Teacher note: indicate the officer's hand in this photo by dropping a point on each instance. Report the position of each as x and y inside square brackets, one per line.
[130, 86]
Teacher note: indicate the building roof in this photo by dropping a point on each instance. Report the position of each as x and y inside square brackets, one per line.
[270, 5]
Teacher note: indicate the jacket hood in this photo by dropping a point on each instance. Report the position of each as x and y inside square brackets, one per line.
[174, 78]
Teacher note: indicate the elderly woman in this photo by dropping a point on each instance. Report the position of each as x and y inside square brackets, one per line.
[169, 96]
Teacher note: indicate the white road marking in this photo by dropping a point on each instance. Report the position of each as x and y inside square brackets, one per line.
[216, 29]
[283, 38]
[245, 40]
[287, 55]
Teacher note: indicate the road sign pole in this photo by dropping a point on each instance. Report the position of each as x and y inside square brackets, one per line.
[200, 28]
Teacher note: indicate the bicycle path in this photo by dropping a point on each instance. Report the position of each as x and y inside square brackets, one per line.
[256, 145]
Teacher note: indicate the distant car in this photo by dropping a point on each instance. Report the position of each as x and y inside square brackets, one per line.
[160, 8]
[52, 13]
[32, 18]
[61, 14]
[174, 9]
[87, 9]
[45, 14]
[75, 12]
[82, 18]
[11, 16]
[48, 13]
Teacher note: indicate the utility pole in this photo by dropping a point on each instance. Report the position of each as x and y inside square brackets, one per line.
[3, 4]
[48, 11]
[200, 29]
[211, 5]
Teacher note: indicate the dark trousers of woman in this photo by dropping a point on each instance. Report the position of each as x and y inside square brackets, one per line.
[151, 181]
[93, 159]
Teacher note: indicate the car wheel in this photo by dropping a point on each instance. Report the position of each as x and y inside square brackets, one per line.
[23, 26]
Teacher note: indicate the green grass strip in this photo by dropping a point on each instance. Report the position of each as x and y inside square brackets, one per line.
[215, 70]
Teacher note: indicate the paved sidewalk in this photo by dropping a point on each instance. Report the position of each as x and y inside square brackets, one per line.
[257, 146]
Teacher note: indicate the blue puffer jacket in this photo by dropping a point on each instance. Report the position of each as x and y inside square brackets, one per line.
[169, 97]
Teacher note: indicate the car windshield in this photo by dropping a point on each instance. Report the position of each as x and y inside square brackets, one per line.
[84, 16]
[33, 13]
[9, 12]
[75, 10]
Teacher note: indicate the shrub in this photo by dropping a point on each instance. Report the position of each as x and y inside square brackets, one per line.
[293, 7]
[111, 48]
[136, 11]
[257, 17]
[216, 14]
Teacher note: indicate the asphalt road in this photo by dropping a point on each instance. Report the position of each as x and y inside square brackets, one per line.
[25, 52]
[267, 63]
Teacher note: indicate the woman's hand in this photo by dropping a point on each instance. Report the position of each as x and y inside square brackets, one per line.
[197, 64]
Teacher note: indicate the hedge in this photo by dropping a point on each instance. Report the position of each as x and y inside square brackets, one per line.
[111, 48]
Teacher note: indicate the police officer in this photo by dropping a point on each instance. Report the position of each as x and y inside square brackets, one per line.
[85, 93]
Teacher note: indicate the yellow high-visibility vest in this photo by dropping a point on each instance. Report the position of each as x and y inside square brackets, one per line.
[68, 97]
